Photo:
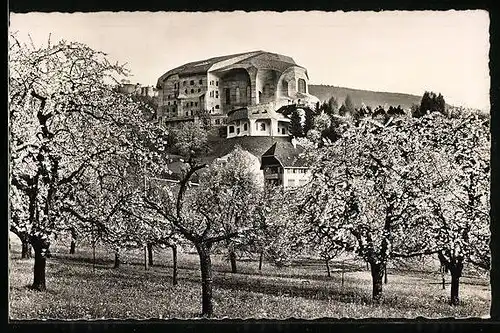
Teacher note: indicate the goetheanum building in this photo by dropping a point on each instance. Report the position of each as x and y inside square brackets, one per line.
[242, 90]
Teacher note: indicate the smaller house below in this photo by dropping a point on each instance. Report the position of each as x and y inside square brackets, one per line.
[284, 165]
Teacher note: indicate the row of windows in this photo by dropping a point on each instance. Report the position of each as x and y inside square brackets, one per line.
[192, 91]
[216, 94]
[191, 104]
[174, 103]
[297, 171]
[216, 83]
[184, 83]
[301, 86]
[191, 83]
[231, 129]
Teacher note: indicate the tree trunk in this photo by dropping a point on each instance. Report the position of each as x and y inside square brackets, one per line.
[377, 270]
[39, 272]
[93, 256]
[117, 258]
[150, 254]
[328, 267]
[342, 277]
[232, 259]
[174, 260]
[25, 249]
[72, 247]
[40, 247]
[206, 279]
[385, 274]
[261, 258]
[456, 273]
[73, 242]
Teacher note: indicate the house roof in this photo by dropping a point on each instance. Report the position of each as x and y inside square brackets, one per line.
[285, 154]
[255, 113]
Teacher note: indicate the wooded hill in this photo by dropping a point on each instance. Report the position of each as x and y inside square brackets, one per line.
[358, 96]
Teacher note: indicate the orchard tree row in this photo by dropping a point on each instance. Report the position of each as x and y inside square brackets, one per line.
[84, 161]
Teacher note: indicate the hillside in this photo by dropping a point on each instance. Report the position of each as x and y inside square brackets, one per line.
[370, 98]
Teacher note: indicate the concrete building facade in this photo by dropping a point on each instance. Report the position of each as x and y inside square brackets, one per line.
[253, 81]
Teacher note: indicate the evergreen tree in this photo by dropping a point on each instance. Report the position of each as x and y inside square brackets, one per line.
[441, 104]
[430, 102]
[330, 107]
[296, 124]
[349, 105]
[309, 121]
[343, 110]
[333, 106]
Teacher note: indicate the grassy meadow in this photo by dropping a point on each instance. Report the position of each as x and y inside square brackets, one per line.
[303, 290]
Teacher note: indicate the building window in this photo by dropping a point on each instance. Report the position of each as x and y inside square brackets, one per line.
[266, 90]
[228, 96]
[200, 82]
[168, 103]
[168, 97]
[245, 127]
[183, 83]
[199, 90]
[187, 113]
[217, 121]
[185, 91]
[302, 85]
[191, 112]
[192, 91]
[191, 82]
[231, 129]
[216, 94]
[262, 127]
[284, 87]
[211, 82]
[187, 104]
[216, 83]
[211, 94]
[192, 103]
[237, 95]
[217, 106]
[195, 103]
[175, 102]
[283, 130]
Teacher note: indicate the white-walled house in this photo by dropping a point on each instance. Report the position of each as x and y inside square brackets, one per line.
[284, 165]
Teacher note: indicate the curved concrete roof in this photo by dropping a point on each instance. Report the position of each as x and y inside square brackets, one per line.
[257, 59]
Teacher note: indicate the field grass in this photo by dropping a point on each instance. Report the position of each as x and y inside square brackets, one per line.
[300, 291]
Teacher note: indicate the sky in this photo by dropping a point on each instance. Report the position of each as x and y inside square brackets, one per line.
[407, 52]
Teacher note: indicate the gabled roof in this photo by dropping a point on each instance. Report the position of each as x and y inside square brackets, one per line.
[286, 154]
